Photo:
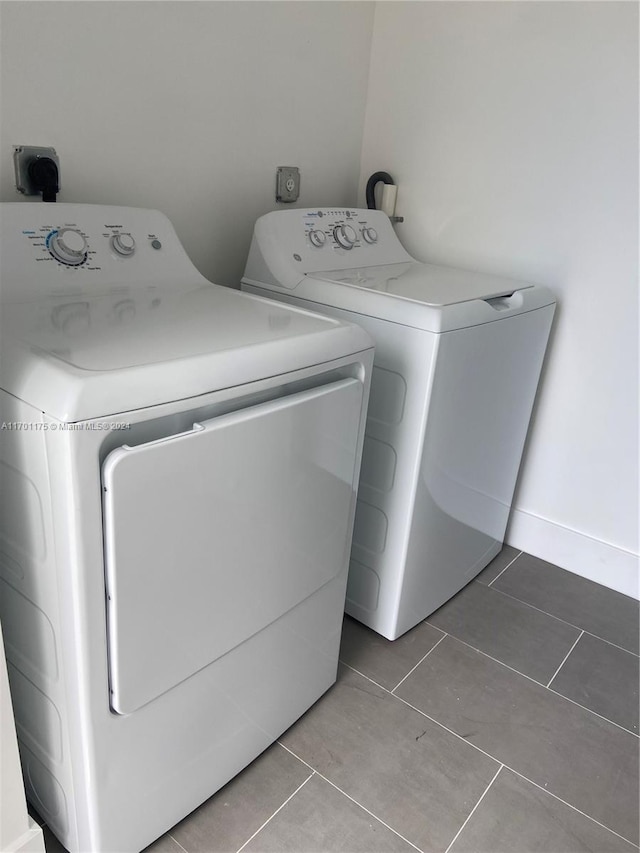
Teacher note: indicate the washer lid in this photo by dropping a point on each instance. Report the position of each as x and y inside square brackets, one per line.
[426, 283]
[90, 356]
[424, 296]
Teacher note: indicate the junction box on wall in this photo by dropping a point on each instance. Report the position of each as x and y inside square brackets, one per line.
[287, 184]
[37, 171]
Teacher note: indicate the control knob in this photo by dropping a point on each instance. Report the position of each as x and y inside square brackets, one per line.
[317, 238]
[370, 235]
[345, 236]
[123, 244]
[68, 246]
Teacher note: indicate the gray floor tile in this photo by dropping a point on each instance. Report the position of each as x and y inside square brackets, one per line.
[166, 844]
[517, 817]
[417, 778]
[603, 678]
[498, 564]
[239, 809]
[319, 819]
[590, 606]
[384, 661]
[516, 634]
[584, 760]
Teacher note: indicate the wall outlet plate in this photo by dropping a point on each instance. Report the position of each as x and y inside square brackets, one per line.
[287, 184]
[22, 156]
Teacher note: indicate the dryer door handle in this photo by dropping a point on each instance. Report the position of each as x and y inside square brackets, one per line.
[271, 406]
[242, 413]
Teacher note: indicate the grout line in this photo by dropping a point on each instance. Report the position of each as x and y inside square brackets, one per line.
[496, 660]
[176, 842]
[371, 680]
[595, 713]
[540, 684]
[420, 661]
[506, 666]
[564, 621]
[453, 840]
[433, 719]
[478, 749]
[344, 793]
[306, 763]
[540, 610]
[277, 810]
[451, 731]
[573, 808]
[505, 568]
[609, 643]
[492, 757]
[508, 767]
[565, 658]
[422, 713]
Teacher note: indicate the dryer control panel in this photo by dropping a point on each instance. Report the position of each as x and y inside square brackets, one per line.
[289, 244]
[62, 249]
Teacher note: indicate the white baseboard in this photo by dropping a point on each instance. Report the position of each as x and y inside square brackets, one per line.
[578, 553]
[31, 842]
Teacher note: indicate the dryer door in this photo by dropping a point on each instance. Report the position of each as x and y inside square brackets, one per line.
[213, 534]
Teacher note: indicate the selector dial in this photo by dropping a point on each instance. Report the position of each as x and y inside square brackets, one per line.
[317, 238]
[345, 236]
[123, 244]
[370, 235]
[68, 246]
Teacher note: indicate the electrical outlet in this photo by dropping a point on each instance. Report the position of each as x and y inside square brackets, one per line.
[23, 157]
[287, 184]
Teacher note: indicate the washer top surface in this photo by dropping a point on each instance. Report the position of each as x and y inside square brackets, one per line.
[351, 259]
[428, 284]
[89, 331]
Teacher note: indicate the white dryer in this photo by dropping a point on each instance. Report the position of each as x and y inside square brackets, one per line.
[179, 464]
[457, 363]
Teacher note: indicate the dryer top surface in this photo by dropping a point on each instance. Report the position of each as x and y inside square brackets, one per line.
[126, 329]
[112, 332]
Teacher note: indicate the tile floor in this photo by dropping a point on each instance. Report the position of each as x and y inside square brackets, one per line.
[507, 722]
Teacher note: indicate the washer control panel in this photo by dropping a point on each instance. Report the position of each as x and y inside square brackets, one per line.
[54, 249]
[289, 244]
[339, 229]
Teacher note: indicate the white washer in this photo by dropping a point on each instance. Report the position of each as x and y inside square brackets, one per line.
[458, 358]
[179, 464]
